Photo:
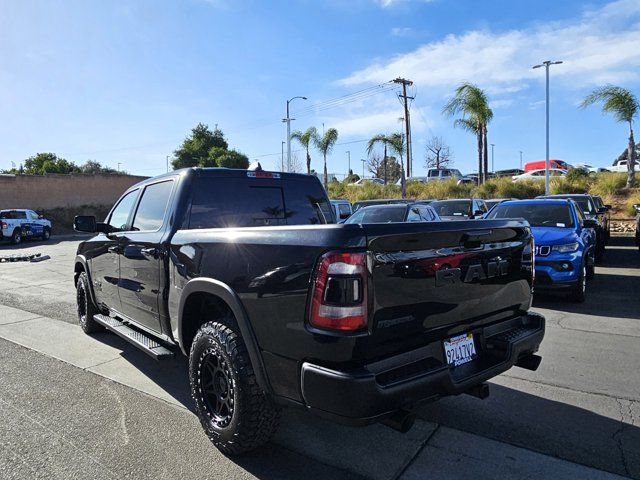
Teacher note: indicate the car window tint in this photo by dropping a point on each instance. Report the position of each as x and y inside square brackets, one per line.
[538, 214]
[413, 215]
[433, 173]
[451, 208]
[306, 202]
[343, 210]
[120, 214]
[153, 204]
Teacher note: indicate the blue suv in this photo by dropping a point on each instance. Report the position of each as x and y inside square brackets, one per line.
[565, 243]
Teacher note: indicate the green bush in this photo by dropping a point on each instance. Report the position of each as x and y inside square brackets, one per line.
[608, 183]
[629, 209]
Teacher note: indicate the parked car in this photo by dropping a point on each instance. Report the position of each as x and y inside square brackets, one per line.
[589, 168]
[17, 224]
[539, 174]
[590, 211]
[637, 207]
[542, 164]
[460, 208]
[622, 166]
[565, 243]
[506, 173]
[605, 212]
[491, 202]
[379, 201]
[411, 212]
[363, 322]
[439, 174]
[362, 181]
[341, 209]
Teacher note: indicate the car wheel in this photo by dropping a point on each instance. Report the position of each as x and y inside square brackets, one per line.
[578, 293]
[85, 306]
[46, 233]
[16, 237]
[235, 413]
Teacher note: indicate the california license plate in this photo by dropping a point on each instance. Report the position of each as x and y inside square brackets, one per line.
[460, 349]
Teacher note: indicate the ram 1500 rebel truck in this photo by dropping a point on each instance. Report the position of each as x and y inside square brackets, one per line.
[246, 273]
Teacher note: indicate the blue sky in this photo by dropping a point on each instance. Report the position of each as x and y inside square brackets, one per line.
[125, 81]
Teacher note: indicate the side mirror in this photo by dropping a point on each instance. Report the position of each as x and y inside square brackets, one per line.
[589, 223]
[637, 207]
[40, 217]
[85, 223]
[608, 207]
[478, 213]
[603, 210]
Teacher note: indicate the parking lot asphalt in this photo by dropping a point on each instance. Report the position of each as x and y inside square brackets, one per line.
[72, 406]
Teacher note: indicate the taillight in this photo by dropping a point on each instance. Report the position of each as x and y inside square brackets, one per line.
[529, 259]
[339, 299]
[3, 225]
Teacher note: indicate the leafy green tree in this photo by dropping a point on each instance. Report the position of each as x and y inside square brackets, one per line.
[43, 163]
[472, 104]
[91, 166]
[305, 139]
[233, 159]
[194, 150]
[625, 107]
[351, 178]
[394, 142]
[325, 145]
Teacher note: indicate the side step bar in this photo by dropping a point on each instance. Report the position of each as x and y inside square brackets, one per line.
[145, 343]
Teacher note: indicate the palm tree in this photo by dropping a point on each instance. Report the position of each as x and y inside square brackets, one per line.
[396, 143]
[325, 144]
[625, 107]
[472, 102]
[305, 138]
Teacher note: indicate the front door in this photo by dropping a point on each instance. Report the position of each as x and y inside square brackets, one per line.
[142, 258]
[103, 254]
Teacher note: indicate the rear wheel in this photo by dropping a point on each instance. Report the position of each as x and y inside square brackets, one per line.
[86, 308]
[578, 293]
[234, 411]
[46, 233]
[16, 237]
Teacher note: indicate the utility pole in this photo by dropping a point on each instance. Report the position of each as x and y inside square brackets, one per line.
[385, 163]
[349, 162]
[287, 120]
[167, 163]
[363, 162]
[119, 166]
[282, 157]
[493, 170]
[520, 159]
[407, 121]
[546, 64]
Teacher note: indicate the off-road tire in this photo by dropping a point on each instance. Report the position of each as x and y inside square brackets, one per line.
[16, 237]
[253, 419]
[578, 293]
[85, 306]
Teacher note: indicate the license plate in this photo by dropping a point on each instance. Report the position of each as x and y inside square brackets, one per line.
[460, 349]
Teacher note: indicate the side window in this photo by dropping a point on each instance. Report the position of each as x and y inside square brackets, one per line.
[32, 215]
[343, 211]
[580, 215]
[414, 215]
[425, 213]
[433, 173]
[152, 207]
[120, 215]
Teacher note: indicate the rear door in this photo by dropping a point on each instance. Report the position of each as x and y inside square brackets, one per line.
[429, 280]
[142, 255]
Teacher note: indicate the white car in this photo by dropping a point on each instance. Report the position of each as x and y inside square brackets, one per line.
[539, 174]
[17, 224]
[621, 166]
[589, 168]
[362, 181]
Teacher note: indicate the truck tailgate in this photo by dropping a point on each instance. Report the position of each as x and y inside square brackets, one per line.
[432, 282]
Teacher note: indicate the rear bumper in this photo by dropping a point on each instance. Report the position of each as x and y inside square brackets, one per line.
[367, 395]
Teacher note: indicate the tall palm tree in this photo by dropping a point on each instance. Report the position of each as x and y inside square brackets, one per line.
[325, 144]
[472, 103]
[625, 107]
[305, 138]
[395, 142]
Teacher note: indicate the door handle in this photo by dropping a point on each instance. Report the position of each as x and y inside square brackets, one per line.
[150, 252]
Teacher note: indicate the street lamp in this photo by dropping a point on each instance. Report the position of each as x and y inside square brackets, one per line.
[288, 121]
[282, 157]
[363, 162]
[348, 162]
[520, 159]
[493, 169]
[546, 64]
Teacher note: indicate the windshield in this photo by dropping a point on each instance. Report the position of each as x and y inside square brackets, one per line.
[585, 204]
[537, 214]
[452, 208]
[378, 215]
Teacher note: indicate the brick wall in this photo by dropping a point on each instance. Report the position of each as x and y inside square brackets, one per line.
[59, 191]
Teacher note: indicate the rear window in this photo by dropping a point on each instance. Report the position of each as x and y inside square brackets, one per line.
[452, 209]
[225, 202]
[13, 215]
[378, 215]
[538, 215]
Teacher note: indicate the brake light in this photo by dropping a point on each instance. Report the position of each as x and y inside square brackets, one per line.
[339, 299]
[4, 225]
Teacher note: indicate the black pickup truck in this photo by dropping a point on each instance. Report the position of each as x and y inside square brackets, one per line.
[247, 274]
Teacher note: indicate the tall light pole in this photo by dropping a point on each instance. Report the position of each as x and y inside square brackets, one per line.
[348, 162]
[520, 159]
[119, 166]
[546, 64]
[282, 157]
[363, 162]
[493, 169]
[288, 121]
[167, 163]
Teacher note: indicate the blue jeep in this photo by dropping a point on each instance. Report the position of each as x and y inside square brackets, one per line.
[565, 243]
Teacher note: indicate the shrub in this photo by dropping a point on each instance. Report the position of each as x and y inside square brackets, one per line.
[629, 209]
[608, 183]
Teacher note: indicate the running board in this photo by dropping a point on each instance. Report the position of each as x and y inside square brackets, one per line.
[145, 343]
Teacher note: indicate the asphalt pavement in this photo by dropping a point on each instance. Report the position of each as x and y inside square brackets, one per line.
[72, 406]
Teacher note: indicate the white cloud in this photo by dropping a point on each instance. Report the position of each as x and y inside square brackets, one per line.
[401, 31]
[601, 46]
[391, 3]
